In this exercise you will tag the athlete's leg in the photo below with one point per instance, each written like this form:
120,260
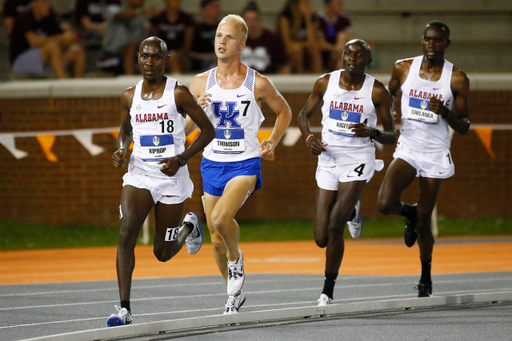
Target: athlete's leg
348,195
168,241
429,188
399,176
135,206
222,215
325,200
219,248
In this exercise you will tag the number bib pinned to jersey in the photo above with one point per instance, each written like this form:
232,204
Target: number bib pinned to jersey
229,141
340,121
157,147
418,110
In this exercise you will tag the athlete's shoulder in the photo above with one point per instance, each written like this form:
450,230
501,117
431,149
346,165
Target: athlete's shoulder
198,83
127,96
403,64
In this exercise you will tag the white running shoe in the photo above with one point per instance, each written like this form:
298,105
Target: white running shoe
234,303
355,226
236,275
324,300
194,240
120,319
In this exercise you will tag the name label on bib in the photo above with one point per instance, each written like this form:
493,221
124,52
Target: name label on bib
229,141
157,147
340,121
418,110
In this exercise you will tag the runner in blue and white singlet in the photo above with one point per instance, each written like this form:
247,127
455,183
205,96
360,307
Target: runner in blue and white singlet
432,97
232,95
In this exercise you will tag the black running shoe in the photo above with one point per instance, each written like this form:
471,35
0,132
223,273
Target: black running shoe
424,290
410,234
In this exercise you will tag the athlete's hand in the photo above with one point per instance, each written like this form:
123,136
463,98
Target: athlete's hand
361,130
118,158
317,146
170,167
437,107
267,152
204,100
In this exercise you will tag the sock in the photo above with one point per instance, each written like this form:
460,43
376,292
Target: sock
425,272
329,282
352,215
408,211
126,304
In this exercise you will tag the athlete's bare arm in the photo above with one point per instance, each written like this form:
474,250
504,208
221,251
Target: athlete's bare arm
124,138
187,104
266,91
458,117
382,101
312,105
398,77
197,87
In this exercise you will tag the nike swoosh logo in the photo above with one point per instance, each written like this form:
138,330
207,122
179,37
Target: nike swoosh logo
436,88
443,172
161,106
240,95
350,176
358,98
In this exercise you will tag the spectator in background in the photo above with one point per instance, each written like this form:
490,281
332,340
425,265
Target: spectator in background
202,57
297,27
38,44
11,9
176,28
335,31
125,31
91,15
263,51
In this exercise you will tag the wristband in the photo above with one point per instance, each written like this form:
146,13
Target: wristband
307,139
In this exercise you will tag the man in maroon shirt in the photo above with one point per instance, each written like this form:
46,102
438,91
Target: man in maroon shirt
38,42
202,57
176,28
11,9
264,50
91,17
335,31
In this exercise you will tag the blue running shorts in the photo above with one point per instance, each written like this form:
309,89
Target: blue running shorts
217,174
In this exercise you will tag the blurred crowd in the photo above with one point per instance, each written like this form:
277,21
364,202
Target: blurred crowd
304,40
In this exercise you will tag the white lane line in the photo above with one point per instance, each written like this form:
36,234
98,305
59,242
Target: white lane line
353,286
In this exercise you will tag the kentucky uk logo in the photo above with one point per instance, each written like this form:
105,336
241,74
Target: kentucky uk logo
226,116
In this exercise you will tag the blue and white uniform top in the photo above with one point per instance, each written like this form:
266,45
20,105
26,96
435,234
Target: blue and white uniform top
158,131
340,109
422,130
236,116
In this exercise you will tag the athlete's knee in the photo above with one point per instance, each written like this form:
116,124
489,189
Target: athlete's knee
221,221
163,254
321,241
384,205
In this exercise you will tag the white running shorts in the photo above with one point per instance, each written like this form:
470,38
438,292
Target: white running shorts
328,177
437,165
166,191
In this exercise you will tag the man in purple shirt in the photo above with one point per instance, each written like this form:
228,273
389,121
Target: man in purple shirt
38,43
335,31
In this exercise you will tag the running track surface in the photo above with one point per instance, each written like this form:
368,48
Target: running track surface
362,257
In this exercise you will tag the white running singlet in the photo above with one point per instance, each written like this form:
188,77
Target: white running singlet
158,132
422,130
340,109
236,116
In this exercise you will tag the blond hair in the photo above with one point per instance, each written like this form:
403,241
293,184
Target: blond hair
237,20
